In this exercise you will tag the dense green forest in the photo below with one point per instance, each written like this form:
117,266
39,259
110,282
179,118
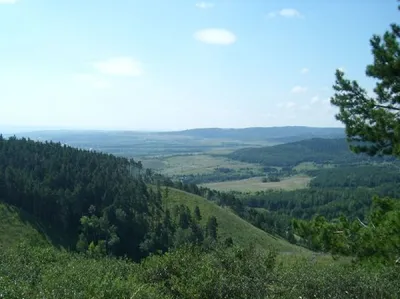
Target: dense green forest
317,150
100,202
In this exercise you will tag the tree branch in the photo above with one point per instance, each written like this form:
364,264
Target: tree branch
362,222
386,107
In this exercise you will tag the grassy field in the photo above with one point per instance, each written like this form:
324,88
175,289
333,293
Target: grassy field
255,184
311,166
231,225
193,164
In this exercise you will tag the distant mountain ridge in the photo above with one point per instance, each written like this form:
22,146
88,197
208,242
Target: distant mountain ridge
278,134
282,134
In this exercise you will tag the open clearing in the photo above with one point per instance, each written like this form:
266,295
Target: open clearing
194,164
255,184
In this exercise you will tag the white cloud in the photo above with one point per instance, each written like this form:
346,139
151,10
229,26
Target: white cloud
8,1
299,89
119,66
342,69
290,105
203,5
215,36
304,70
314,100
93,81
286,13
289,13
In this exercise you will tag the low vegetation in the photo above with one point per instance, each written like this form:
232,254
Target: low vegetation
256,184
42,271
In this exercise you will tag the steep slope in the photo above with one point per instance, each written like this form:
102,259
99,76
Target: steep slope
318,150
229,224
14,228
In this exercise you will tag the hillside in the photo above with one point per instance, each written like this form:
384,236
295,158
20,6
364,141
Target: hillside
231,225
14,228
317,150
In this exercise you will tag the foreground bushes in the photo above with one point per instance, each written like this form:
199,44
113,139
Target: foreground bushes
28,272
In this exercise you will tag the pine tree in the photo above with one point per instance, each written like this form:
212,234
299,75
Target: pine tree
212,227
372,123
197,214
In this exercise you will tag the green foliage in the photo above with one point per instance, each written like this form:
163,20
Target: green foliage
224,273
307,279
371,176
378,240
186,273
33,272
318,150
372,124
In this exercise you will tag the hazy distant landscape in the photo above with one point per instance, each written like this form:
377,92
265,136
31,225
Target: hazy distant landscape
141,144
197,155
240,160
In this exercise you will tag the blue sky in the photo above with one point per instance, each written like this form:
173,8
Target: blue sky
179,64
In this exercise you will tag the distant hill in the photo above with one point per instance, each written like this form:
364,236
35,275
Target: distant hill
318,150
278,134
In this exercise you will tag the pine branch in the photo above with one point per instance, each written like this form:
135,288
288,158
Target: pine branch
387,107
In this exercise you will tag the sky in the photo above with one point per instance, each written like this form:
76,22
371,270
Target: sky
181,64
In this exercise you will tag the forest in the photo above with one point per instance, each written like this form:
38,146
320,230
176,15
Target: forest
318,150
101,202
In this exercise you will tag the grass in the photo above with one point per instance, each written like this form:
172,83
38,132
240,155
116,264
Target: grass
14,229
255,184
231,225
194,164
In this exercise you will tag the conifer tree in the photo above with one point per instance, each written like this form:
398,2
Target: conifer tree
373,122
